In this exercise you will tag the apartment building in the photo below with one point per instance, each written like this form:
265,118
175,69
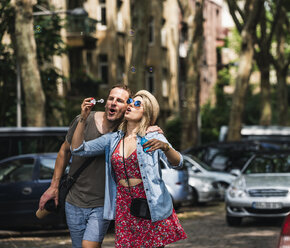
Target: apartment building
100,34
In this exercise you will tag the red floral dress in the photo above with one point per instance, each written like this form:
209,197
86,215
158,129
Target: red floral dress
136,232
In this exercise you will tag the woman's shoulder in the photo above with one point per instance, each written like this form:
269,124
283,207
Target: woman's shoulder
153,135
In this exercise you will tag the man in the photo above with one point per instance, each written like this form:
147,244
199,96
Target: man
85,201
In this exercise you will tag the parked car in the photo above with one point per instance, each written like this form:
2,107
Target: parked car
284,239
261,189
23,179
26,140
215,182
203,189
225,156
176,181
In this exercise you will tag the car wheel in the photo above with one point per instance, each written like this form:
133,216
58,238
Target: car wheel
233,221
194,200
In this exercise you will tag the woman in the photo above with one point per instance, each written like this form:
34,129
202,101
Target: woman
133,173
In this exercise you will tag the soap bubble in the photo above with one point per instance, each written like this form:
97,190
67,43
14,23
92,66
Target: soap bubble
131,32
37,29
133,69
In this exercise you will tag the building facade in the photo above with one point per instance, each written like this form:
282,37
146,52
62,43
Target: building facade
100,33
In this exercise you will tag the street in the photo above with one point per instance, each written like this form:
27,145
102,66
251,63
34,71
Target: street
205,226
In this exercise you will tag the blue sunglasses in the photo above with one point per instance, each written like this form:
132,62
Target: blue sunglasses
136,103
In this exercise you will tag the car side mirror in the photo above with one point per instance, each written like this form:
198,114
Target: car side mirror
236,172
195,170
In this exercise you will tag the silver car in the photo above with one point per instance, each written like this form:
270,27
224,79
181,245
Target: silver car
207,184
176,181
261,190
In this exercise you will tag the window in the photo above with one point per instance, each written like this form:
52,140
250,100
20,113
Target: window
103,68
20,170
150,81
120,22
89,61
46,168
103,12
120,68
163,37
164,83
151,31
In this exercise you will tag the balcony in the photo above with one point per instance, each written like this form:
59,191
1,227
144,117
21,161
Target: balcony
81,31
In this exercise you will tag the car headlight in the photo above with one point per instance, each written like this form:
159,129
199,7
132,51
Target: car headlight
236,192
238,188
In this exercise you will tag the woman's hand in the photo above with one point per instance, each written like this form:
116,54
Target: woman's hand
86,108
155,144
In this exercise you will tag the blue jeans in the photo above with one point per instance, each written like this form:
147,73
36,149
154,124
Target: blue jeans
85,224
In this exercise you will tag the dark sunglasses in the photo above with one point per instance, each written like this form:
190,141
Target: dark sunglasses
136,103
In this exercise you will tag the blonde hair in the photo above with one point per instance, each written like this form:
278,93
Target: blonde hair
150,112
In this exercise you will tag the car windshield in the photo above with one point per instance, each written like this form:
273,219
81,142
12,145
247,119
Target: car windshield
201,163
269,164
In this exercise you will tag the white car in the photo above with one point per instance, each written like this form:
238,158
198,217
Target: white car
203,178
261,190
176,181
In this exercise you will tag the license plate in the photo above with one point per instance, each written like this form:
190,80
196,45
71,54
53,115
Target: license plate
267,205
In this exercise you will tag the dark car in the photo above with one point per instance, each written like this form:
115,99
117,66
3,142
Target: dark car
226,156
23,179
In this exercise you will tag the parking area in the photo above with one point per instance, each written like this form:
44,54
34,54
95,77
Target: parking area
205,226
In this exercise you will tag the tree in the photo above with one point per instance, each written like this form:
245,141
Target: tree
281,62
248,23
49,43
140,12
190,109
25,47
7,68
263,57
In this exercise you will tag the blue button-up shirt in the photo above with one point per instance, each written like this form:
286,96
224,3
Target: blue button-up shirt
158,197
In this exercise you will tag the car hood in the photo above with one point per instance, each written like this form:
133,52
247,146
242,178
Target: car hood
266,180
227,177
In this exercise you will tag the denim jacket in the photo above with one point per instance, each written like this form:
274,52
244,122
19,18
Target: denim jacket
158,197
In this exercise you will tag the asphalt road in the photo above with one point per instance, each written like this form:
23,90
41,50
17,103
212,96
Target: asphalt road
204,225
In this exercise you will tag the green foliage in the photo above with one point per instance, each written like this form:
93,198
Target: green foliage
214,117
49,43
82,85
252,107
7,68
7,87
234,41
173,129
48,38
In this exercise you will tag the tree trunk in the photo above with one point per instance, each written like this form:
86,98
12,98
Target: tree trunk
190,109
283,115
266,111
245,65
238,100
263,61
26,55
281,64
140,32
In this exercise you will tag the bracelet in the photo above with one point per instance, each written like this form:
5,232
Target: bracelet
82,119
166,148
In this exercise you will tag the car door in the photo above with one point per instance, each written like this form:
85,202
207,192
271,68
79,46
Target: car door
18,193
